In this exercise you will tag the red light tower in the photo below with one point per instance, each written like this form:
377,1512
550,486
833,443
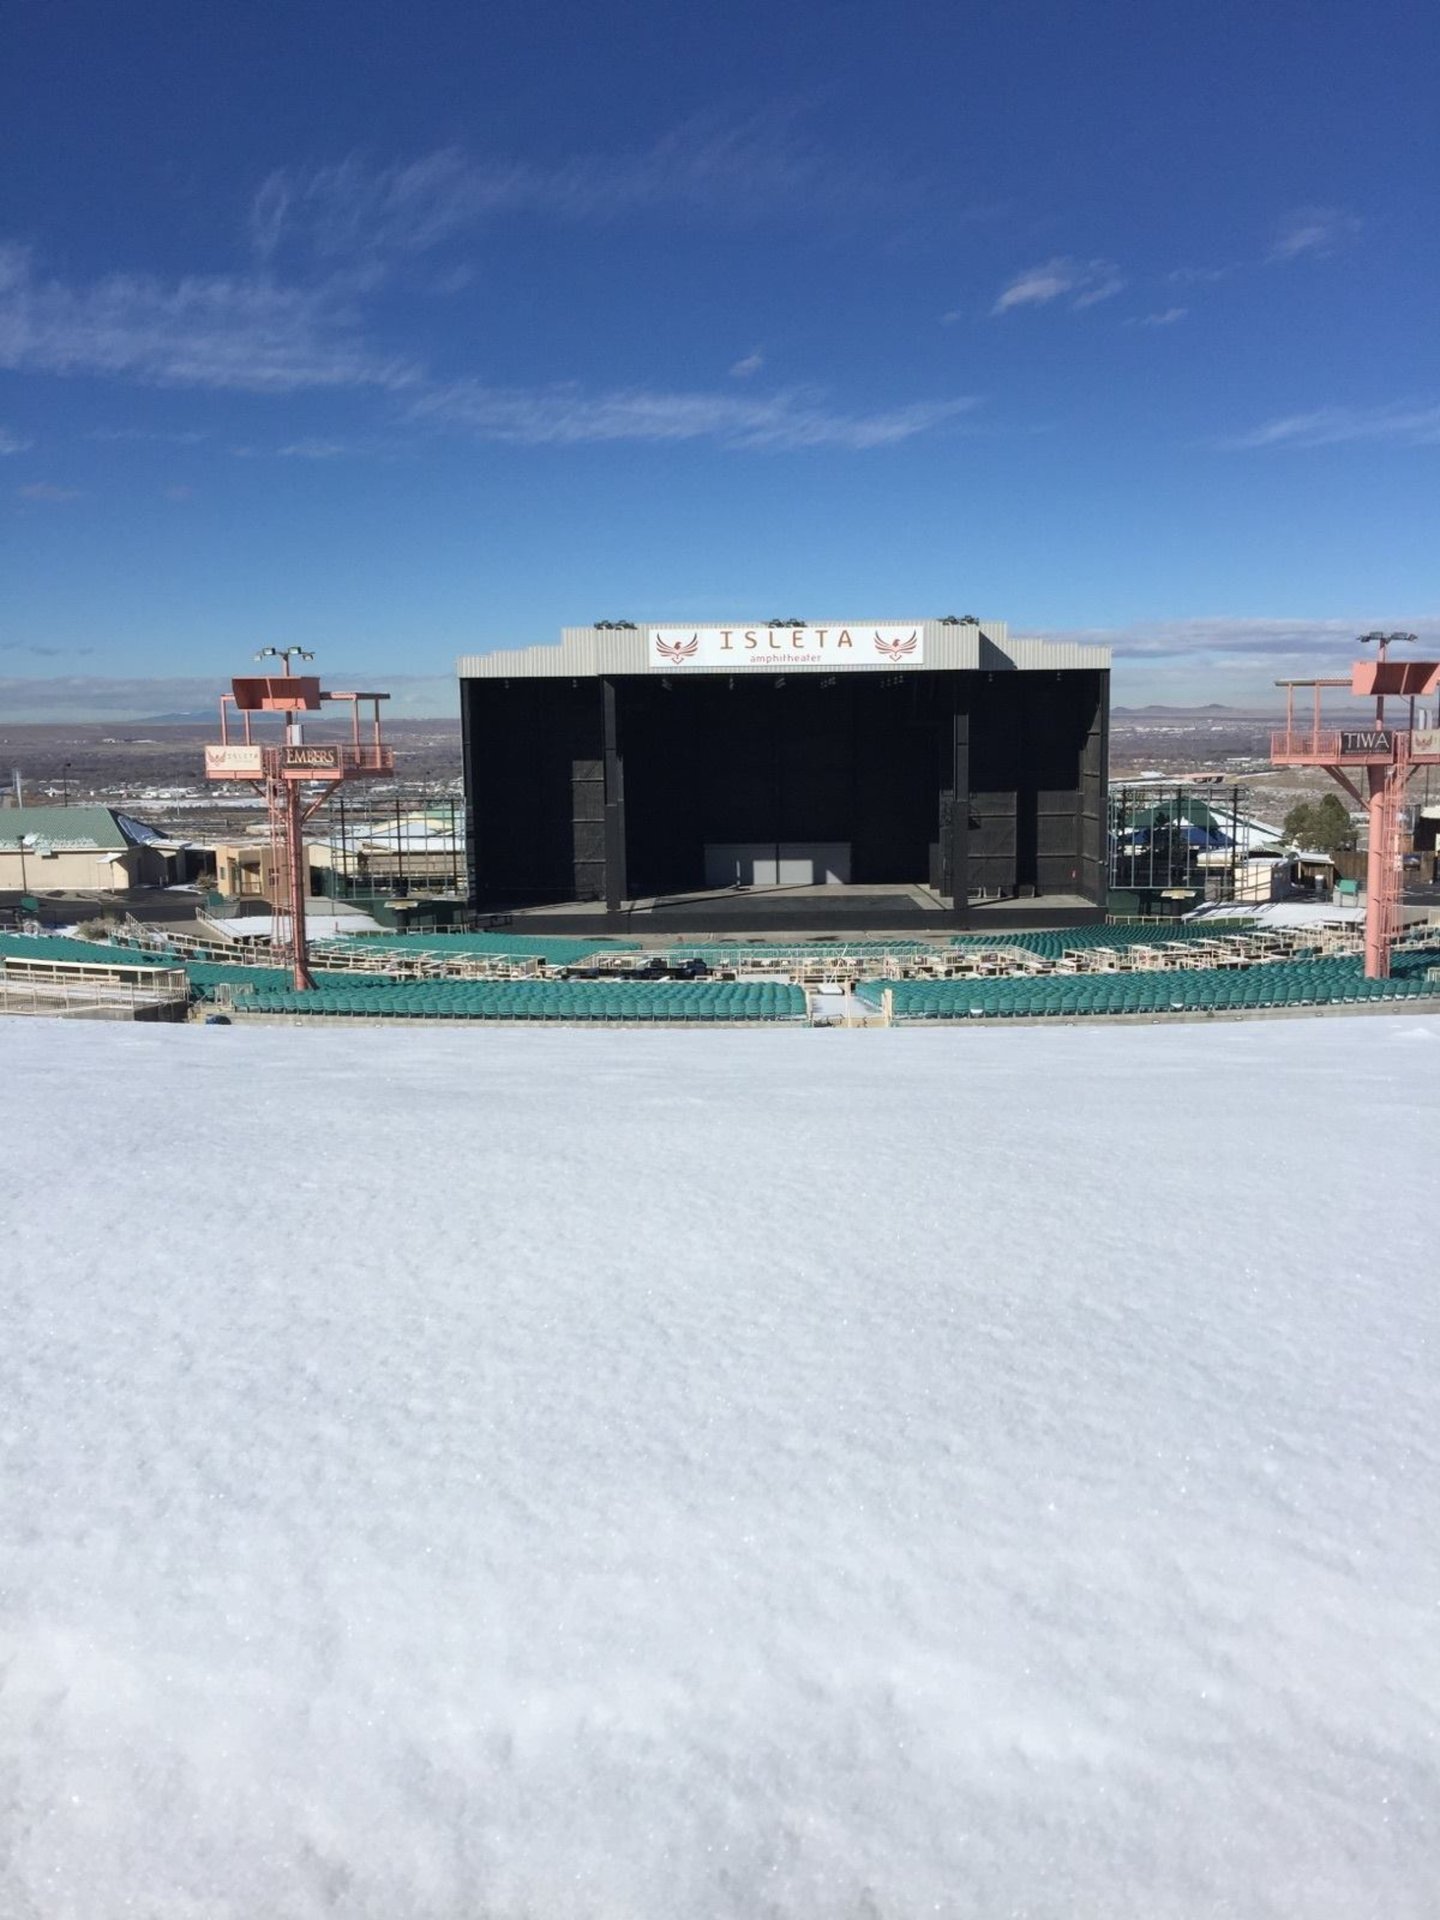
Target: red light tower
283,772
1387,754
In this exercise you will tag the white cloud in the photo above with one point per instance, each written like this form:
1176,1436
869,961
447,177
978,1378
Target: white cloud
12,442
313,450
1080,283
33,650
202,331
187,439
1402,423
1228,657
568,416
1228,638
760,167
74,697
1167,317
1313,232
749,366
48,492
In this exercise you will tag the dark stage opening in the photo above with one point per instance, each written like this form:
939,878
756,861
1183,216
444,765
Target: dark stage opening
966,787
789,763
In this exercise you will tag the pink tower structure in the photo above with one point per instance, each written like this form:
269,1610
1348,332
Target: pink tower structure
1383,755
296,779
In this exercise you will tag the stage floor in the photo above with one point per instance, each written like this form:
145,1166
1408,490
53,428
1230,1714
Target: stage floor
769,912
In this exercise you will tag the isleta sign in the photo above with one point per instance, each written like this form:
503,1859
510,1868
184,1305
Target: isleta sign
732,649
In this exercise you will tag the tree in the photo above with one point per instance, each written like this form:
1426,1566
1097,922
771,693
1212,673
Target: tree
1321,826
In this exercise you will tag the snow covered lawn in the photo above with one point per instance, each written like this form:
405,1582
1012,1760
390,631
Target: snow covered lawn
565,1474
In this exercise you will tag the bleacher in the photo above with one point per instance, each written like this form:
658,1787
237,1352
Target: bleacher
642,1001
60,946
1313,982
1106,970
555,949
1050,944
785,953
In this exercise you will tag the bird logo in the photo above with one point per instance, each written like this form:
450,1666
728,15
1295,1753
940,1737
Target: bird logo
677,651
897,649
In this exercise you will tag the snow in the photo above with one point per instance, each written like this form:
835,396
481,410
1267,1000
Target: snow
719,1474
1284,913
319,926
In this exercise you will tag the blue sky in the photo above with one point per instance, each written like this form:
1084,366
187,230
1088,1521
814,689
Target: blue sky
397,331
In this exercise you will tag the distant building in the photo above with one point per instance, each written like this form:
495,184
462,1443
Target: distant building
87,850
245,869
419,853
1175,835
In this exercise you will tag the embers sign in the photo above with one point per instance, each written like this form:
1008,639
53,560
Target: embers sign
734,649
311,759
1375,740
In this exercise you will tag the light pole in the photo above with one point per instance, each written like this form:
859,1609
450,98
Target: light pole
1385,791
287,841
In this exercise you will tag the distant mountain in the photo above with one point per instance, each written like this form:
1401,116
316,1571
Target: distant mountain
1214,710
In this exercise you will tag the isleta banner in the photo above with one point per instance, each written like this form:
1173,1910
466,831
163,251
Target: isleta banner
672,649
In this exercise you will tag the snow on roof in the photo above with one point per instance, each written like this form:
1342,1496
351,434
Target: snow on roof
719,1473
138,830
319,926
70,829
1284,913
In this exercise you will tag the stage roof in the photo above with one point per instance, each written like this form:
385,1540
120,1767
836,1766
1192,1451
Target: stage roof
593,651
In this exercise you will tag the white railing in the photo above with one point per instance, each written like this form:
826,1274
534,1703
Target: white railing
70,990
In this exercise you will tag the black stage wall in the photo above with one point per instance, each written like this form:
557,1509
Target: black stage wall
609,788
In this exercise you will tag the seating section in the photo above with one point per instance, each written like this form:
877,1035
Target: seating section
1282,983
60,946
206,975
555,950
801,953
1051,943
1304,979
353,996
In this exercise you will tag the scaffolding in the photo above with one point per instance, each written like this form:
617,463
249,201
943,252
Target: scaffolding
296,780
1373,764
381,846
1177,836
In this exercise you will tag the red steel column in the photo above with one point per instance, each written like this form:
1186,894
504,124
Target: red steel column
297,878
1383,879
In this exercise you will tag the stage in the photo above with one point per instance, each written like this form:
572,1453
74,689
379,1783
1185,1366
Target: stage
849,780
859,912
